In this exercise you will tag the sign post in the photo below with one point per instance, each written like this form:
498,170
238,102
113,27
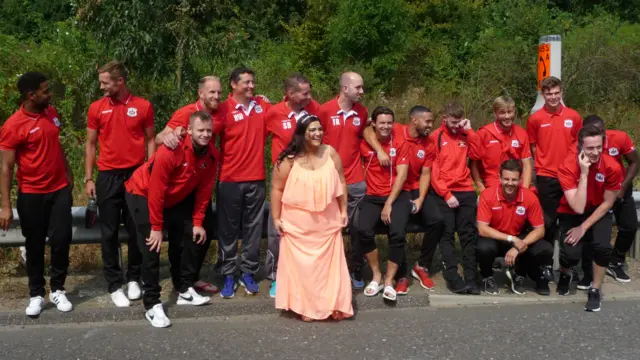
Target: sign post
549,62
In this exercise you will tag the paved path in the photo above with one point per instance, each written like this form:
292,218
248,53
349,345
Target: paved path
549,331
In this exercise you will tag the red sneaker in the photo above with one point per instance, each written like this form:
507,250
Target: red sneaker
402,286
422,275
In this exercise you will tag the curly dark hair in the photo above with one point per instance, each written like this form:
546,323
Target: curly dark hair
296,146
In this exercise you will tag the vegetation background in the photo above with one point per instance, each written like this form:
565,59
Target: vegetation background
408,51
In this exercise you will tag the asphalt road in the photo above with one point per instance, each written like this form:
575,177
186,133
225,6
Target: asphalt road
550,331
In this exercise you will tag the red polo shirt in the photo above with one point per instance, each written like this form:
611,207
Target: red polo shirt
618,144
500,145
35,138
120,127
242,139
506,216
554,135
171,175
380,179
421,153
450,171
606,174
343,130
182,115
281,124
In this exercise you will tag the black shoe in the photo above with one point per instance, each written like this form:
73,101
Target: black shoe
616,271
564,284
472,288
546,272
593,301
586,282
542,287
517,281
490,286
457,285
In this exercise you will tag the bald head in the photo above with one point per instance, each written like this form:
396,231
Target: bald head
210,92
351,86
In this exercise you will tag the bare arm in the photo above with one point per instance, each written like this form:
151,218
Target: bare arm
533,151
278,181
536,234
577,198
149,136
90,153
487,231
370,137
527,172
601,210
632,170
68,170
402,171
338,164
8,162
425,180
161,135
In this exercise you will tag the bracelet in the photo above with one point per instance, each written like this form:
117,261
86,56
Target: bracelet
87,180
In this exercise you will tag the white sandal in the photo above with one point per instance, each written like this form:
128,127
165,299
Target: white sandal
392,293
373,289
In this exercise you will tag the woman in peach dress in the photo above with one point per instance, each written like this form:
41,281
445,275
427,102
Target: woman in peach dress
309,210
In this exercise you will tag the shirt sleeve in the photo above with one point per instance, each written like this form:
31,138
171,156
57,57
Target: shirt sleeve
163,166
532,130
402,154
364,121
475,145
10,136
205,189
429,153
484,209
534,213
179,118
93,119
627,145
525,148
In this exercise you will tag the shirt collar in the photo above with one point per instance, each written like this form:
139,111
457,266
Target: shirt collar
557,112
125,102
500,130
518,199
31,115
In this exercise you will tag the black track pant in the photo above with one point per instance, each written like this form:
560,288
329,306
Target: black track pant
538,254
597,239
42,216
113,210
549,193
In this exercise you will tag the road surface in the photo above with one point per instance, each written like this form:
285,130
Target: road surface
550,331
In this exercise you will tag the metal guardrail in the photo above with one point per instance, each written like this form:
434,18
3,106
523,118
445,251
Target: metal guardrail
81,235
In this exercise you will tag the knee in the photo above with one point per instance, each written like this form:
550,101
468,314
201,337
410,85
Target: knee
486,247
570,256
602,254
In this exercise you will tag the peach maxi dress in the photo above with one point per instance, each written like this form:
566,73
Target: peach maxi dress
313,279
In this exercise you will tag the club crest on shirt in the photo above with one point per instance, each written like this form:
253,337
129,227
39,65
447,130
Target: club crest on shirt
131,112
520,210
420,154
238,117
613,152
462,143
568,123
392,152
356,121
56,122
515,143
600,177
258,109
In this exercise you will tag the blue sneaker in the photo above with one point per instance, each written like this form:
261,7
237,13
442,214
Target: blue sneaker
272,291
229,288
250,286
356,281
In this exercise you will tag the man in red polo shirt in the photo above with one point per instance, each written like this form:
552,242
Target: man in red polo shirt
591,183
455,143
553,132
510,223
123,125
241,192
209,95
281,123
343,120
502,140
384,202
618,145
158,198
421,155
31,138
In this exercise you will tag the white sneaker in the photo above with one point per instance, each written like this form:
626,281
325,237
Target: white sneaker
60,299
36,304
119,299
191,297
133,290
157,317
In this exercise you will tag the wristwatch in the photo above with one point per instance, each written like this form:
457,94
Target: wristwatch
510,238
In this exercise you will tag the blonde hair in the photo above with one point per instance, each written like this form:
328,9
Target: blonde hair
503,102
116,69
